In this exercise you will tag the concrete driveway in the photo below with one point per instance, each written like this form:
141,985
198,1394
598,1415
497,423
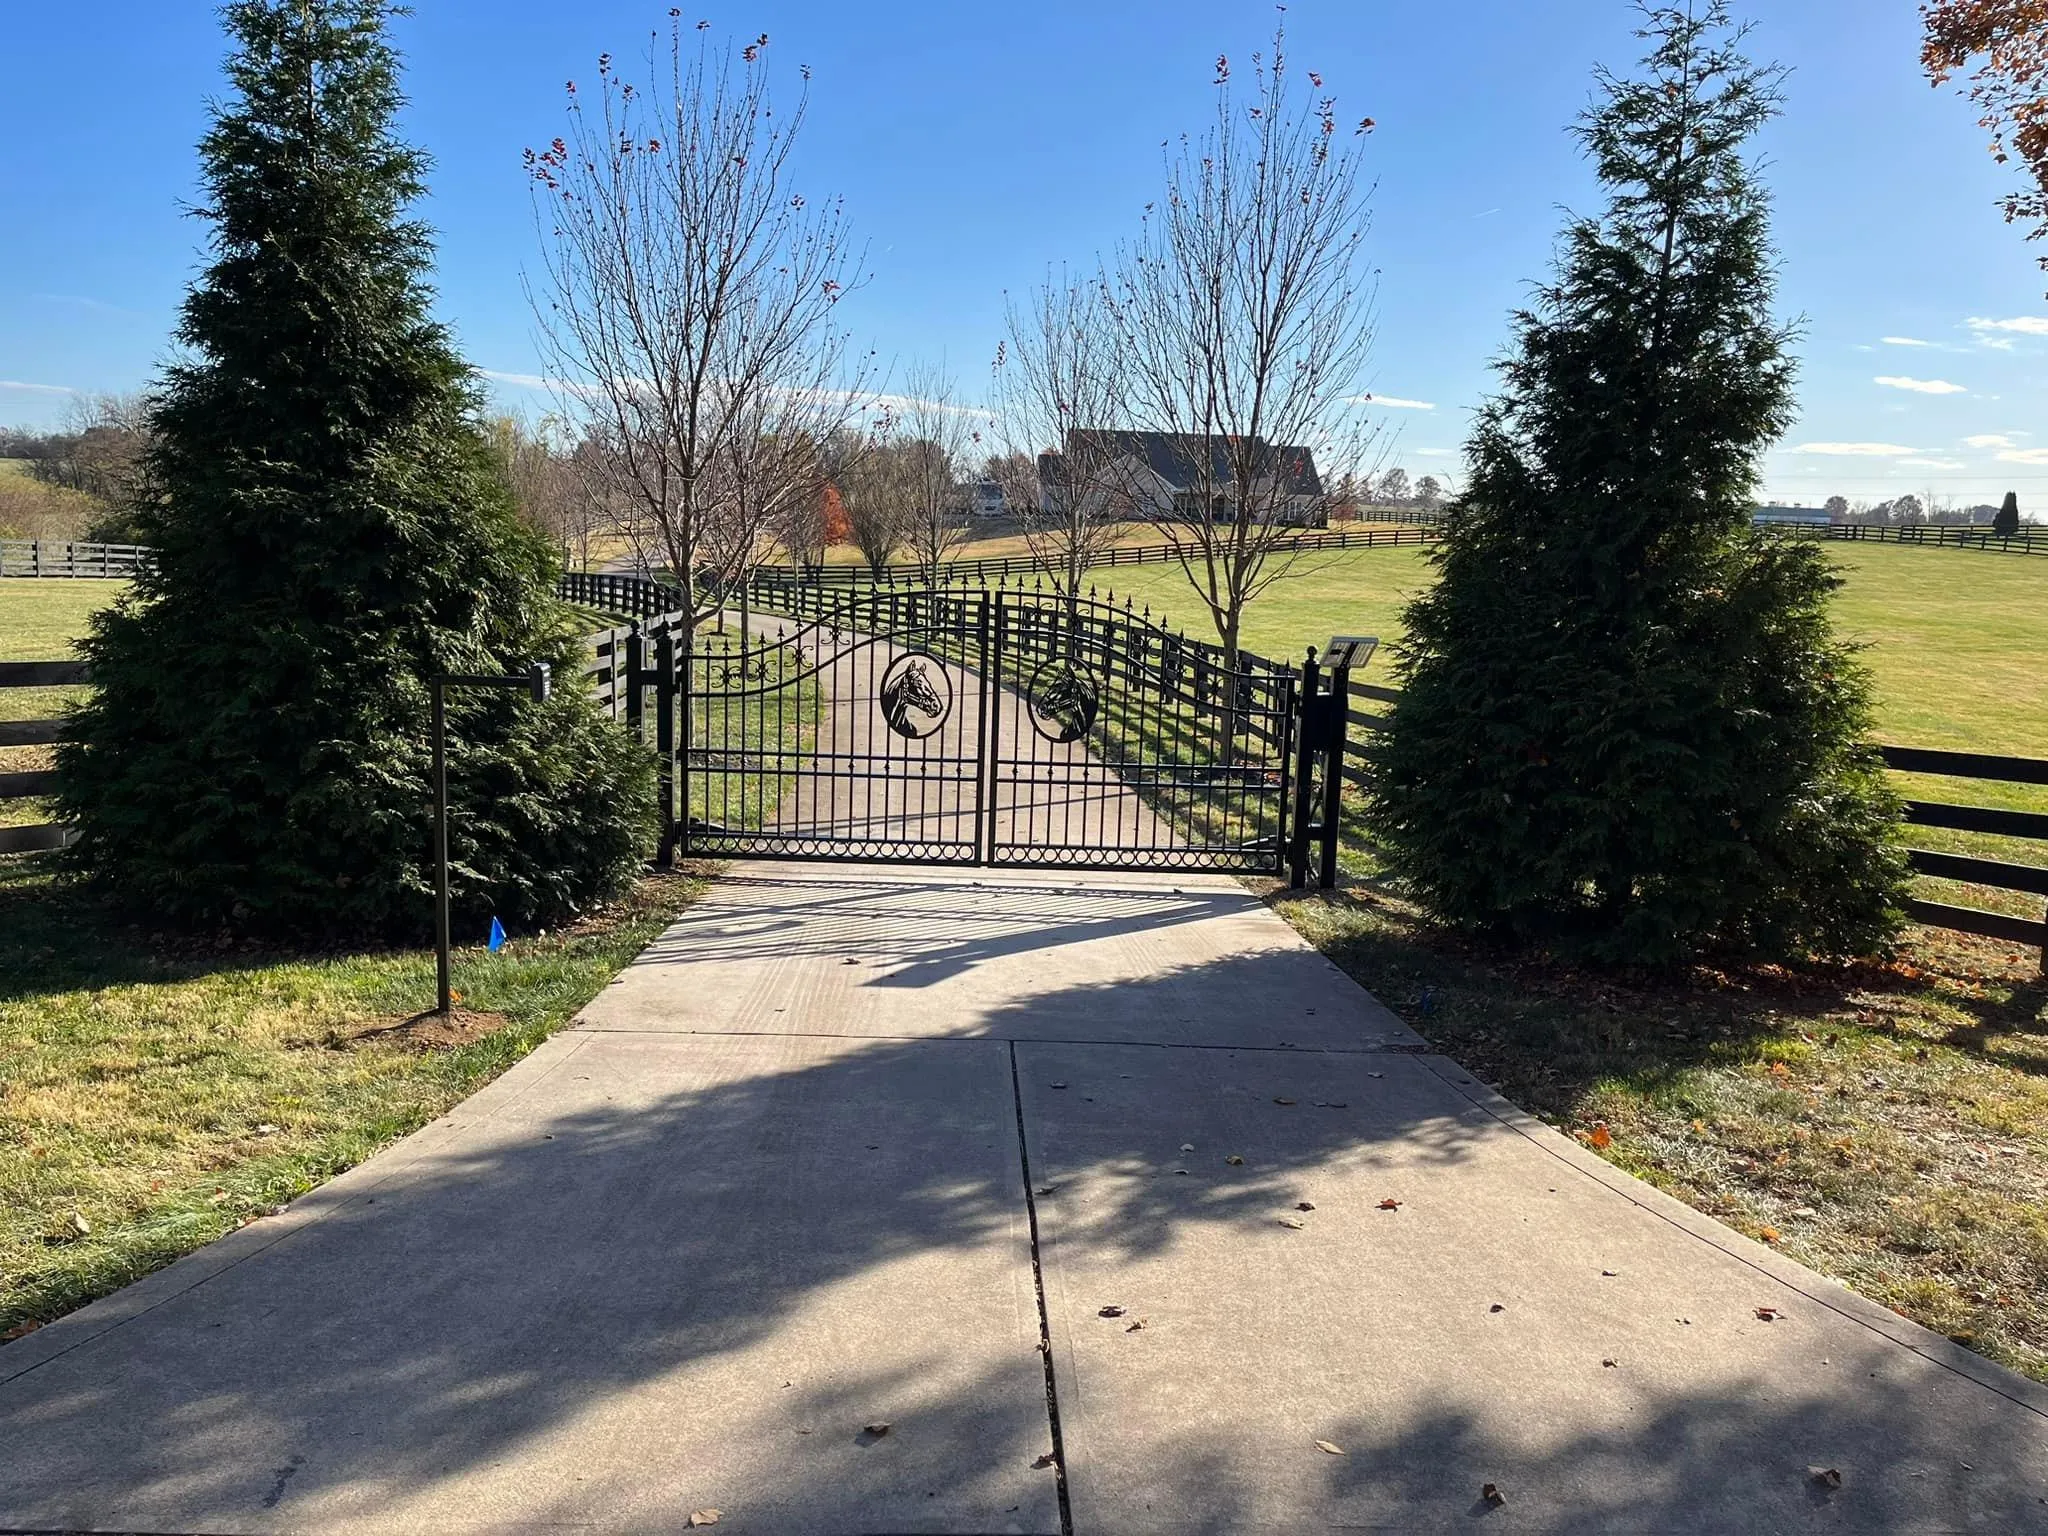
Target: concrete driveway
899,1201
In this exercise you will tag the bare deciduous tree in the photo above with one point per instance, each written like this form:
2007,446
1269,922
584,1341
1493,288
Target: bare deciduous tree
689,290
1242,315
871,481
1057,383
935,434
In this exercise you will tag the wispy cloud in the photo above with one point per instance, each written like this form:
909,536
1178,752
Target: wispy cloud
1989,440
1857,450
868,399
2024,456
2025,325
80,301
1919,386
1904,341
1391,402
1932,464
37,389
1434,453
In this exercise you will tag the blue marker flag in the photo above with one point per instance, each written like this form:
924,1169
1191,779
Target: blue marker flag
497,939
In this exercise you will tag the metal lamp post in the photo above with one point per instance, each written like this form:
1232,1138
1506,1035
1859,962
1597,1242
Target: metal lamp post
535,681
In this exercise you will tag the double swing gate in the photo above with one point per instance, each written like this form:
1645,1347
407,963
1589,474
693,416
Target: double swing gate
992,727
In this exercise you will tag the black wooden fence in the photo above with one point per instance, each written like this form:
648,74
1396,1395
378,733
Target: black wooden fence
57,557
1368,700
29,784
2032,539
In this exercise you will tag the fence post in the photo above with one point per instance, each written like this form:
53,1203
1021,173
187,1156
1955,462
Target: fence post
665,737
1333,771
626,678
1304,773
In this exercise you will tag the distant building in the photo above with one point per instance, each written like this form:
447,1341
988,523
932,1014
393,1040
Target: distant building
1168,475
1794,517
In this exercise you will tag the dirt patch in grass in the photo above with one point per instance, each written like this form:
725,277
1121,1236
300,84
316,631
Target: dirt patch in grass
1884,1123
429,1031
155,1095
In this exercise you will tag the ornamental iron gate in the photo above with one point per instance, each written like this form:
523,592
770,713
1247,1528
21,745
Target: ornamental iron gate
982,727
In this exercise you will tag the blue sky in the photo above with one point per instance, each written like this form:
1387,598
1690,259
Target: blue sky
976,144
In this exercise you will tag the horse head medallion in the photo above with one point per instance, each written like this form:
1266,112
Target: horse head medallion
912,704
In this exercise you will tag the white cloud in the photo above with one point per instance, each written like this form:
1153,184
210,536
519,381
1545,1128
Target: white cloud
523,380
1919,386
1392,402
1434,453
1904,341
1932,464
37,389
2025,325
2024,456
1989,440
1856,450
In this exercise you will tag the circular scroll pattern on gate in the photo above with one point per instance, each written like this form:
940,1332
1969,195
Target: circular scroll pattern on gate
1063,700
916,696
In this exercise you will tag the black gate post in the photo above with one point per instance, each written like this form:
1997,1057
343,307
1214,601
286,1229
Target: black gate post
665,737
1304,776
1333,782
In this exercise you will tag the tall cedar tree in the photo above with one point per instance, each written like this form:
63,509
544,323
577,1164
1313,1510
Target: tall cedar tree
1626,730
331,528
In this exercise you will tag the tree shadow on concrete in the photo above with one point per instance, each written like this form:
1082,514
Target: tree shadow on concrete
647,1275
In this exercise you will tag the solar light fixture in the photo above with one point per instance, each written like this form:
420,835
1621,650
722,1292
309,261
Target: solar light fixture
537,680
1349,650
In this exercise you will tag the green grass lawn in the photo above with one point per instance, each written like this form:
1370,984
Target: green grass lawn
155,1095
1955,637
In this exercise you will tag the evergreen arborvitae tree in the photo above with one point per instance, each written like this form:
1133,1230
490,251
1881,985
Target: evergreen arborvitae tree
331,528
1626,730
2007,522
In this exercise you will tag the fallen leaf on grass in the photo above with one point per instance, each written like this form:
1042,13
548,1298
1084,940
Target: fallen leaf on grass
1111,1311
1491,1493
1329,1449
1827,1477
1293,1221
1768,1234
19,1331
1601,1137
1390,1204
710,1516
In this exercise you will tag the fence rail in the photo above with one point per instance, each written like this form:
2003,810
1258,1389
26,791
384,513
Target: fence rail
29,784
1999,874
2032,539
55,557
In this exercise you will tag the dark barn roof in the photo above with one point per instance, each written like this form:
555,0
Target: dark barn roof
1177,457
